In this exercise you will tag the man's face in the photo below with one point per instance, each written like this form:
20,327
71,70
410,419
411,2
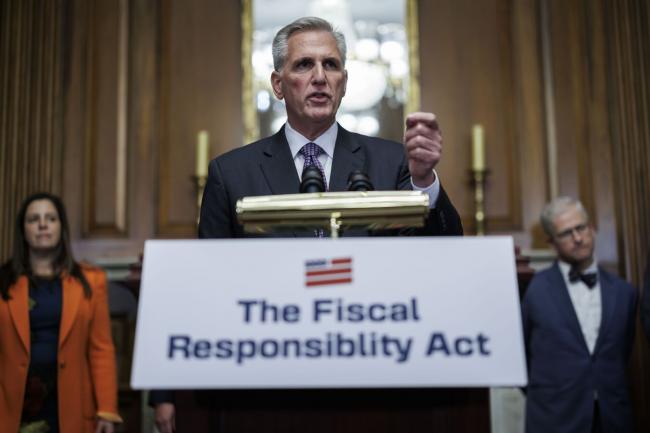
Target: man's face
312,81
573,237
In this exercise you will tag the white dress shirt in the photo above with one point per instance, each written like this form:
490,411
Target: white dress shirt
327,141
587,303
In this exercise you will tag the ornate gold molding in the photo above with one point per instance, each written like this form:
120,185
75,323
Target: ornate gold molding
413,38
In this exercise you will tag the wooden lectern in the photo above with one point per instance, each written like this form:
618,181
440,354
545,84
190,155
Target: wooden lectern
414,410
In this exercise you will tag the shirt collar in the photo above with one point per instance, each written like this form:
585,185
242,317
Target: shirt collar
326,140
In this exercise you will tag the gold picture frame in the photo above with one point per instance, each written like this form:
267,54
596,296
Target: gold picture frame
249,114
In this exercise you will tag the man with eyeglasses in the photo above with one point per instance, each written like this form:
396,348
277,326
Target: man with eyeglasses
578,328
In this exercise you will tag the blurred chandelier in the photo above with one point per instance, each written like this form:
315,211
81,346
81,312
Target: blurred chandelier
377,67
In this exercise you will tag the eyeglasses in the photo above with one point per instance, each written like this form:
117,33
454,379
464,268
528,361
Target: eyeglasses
566,234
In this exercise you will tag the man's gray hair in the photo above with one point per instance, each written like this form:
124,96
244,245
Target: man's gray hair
557,207
281,40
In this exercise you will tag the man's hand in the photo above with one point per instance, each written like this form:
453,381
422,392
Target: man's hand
423,146
104,426
165,417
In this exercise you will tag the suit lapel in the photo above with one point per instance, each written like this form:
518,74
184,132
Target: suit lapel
348,156
560,294
72,294
278,166
19,310
608,300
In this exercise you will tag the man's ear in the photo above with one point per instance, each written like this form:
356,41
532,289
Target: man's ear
276,84
550,240
345,81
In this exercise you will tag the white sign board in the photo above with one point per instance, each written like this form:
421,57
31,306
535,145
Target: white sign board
321,313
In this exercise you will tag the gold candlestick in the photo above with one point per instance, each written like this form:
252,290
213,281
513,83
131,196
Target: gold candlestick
199,182
479,174
201,170
478,177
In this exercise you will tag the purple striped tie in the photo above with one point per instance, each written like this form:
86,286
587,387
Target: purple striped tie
311,151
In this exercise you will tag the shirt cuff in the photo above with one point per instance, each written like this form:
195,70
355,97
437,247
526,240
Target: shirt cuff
433,190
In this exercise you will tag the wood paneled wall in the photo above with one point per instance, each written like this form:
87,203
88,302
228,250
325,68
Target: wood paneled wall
580,117
199,89
30,106
628,50
98,166
480,63
599,53
145,77
572,83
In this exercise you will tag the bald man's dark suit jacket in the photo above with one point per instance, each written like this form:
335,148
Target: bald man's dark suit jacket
563,376
266,167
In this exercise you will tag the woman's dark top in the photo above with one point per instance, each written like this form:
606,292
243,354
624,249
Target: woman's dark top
40,406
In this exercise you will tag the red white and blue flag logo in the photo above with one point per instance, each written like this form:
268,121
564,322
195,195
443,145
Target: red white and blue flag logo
321,272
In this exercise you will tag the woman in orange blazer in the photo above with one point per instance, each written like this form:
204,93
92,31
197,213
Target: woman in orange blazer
57,361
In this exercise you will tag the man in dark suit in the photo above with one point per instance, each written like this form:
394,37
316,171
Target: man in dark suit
310,76
267,167
578,328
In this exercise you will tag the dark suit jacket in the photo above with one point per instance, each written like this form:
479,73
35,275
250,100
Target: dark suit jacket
266,167
562,375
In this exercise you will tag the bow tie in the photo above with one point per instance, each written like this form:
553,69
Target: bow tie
589,279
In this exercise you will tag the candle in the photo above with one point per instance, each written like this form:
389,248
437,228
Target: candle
478,148
201,169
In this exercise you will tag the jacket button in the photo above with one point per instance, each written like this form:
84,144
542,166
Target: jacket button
62,364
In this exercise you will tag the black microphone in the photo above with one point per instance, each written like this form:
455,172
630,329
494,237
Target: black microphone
359,181
312,180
